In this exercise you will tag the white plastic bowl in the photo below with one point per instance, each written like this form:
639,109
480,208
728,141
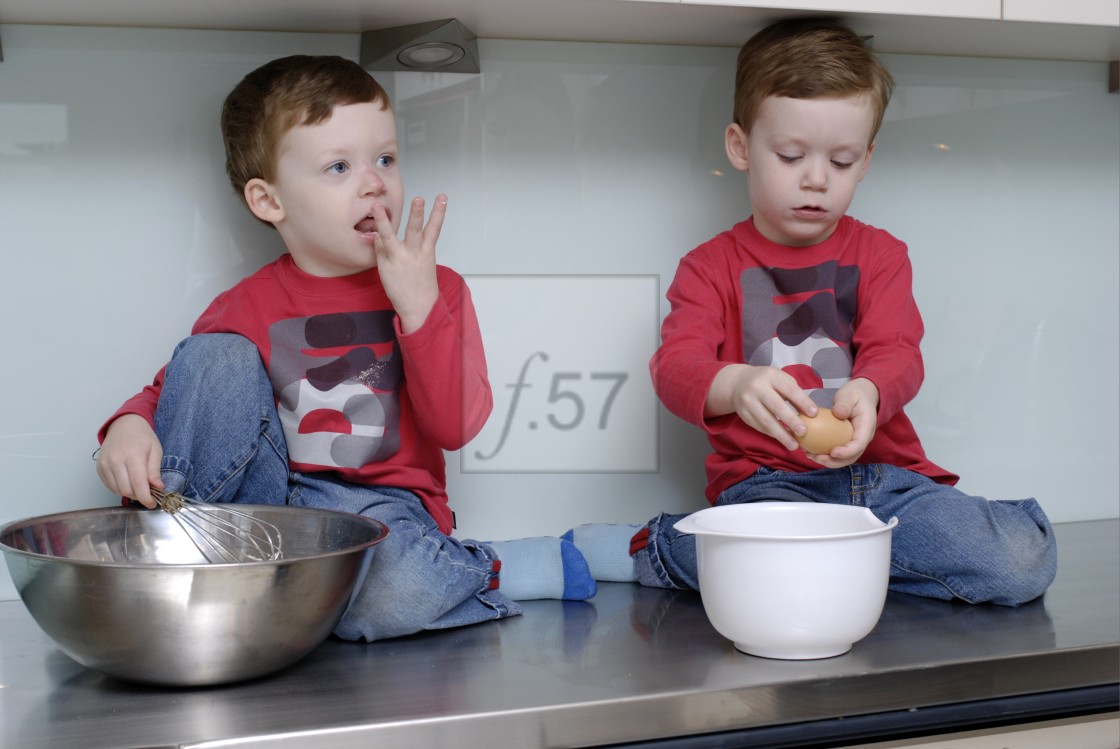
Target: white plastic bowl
792,580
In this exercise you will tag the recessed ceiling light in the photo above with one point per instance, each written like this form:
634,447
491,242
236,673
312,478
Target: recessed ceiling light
446,46
430,55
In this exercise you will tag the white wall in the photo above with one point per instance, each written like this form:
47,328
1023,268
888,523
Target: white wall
578,174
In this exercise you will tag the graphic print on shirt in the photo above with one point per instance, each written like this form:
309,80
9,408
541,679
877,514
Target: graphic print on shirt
339,378
800,321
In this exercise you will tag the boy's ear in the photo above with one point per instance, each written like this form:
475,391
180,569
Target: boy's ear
735,141
262,201
866,161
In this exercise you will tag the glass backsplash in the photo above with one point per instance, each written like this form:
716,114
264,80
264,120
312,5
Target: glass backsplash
578,174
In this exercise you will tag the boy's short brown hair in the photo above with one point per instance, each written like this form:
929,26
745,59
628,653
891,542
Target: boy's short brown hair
274,98
808,58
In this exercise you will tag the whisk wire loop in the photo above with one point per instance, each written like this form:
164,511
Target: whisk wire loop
220,533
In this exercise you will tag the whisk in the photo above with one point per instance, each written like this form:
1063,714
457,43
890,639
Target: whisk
222,534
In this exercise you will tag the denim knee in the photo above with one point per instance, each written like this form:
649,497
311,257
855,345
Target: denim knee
951,545
1023,566
217,422
219,352
417,585
419,579
668,559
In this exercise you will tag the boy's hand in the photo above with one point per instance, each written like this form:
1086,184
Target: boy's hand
766,398
129,458
408,268
858,401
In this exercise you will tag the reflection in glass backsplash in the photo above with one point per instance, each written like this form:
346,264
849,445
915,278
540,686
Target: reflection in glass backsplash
564,159
30,129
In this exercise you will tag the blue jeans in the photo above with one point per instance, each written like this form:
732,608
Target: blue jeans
946,545
222,442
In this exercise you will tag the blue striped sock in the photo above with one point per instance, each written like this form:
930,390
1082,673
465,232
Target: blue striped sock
606,547
543,567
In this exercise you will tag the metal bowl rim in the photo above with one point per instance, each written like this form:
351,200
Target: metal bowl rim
381,528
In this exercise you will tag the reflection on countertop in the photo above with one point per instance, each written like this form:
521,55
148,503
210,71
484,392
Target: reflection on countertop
631,664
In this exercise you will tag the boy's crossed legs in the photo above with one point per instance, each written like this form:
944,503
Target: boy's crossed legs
947,544
223,442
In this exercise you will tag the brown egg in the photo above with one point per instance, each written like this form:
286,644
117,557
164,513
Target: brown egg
824,432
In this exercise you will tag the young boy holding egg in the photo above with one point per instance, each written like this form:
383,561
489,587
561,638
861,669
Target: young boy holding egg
793,342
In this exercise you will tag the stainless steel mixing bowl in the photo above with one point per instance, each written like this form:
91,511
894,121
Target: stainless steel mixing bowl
126,592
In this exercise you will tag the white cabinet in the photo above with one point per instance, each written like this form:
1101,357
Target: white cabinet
1093,12
1083,30
989,9
1090,12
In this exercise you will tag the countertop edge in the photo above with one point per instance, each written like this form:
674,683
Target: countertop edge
690,712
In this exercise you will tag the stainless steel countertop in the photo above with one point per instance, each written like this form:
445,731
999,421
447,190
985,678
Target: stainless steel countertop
631,664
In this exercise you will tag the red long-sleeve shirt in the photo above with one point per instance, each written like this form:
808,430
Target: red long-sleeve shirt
827,313
357,397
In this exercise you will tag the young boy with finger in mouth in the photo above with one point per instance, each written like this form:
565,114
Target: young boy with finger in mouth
337,376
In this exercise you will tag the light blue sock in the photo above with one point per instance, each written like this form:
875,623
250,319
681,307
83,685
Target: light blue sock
543,567
606,547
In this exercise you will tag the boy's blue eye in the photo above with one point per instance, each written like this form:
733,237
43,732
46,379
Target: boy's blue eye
386,160
338,167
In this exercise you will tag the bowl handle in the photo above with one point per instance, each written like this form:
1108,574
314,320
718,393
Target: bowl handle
688,525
